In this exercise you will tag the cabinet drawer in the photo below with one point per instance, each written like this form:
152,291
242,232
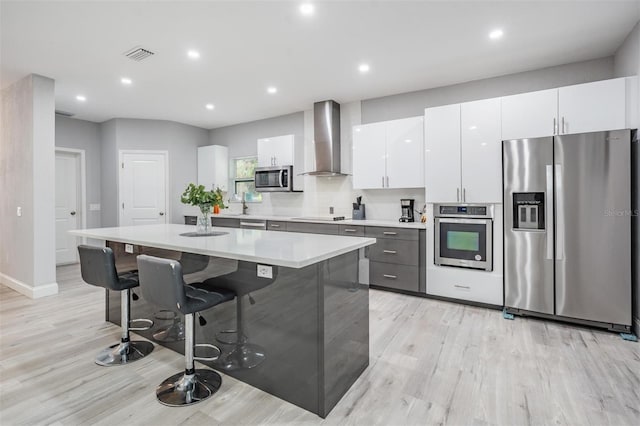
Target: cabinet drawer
225,222
402,252
191,220
352,230
313,228
275,225
400,277
396,233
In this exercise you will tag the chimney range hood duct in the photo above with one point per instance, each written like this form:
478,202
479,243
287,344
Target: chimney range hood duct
326,135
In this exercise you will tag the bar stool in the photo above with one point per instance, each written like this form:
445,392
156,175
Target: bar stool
242,282
162,284
98,268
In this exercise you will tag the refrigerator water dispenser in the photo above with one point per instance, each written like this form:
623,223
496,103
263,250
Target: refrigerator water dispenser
528,211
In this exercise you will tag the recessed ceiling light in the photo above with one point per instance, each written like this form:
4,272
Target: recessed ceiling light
272,90
307,9
193,54
496,34
126,81
364,68
209,106
81,98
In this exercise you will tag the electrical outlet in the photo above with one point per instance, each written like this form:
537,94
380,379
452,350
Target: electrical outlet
19,211
94,207
265,271
128,248
330,210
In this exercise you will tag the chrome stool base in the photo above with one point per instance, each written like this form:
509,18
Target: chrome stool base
123,353
170,333
186,389
242,357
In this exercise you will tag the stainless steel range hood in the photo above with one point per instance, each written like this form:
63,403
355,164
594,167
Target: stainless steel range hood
326,132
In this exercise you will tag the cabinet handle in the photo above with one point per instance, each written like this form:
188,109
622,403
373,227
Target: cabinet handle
391,277
464,195
389,233
349,230
389,251
383,181
466,287
555,129
274,226
387,181
562,125
458,194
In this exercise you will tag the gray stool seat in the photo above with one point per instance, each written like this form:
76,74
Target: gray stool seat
98,268
242,282
162,284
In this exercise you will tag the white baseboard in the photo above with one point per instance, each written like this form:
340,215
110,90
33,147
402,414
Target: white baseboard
31,292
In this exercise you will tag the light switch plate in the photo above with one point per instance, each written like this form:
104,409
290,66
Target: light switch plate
265,271
19,211
128,248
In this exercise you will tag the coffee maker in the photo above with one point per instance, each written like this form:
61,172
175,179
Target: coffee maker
406,204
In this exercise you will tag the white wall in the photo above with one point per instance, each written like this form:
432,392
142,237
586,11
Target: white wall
85,135
27,164
180,140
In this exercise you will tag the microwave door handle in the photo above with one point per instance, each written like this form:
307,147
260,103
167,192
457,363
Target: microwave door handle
281,179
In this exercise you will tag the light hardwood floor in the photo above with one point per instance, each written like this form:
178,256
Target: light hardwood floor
432,362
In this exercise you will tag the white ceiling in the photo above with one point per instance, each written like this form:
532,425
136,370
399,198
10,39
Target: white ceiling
246,46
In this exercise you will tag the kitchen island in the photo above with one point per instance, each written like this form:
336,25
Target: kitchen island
310,324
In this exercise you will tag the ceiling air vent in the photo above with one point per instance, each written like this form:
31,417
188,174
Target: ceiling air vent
64,113
138,54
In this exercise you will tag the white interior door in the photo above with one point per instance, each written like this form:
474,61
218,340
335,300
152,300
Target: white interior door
67,211
143,188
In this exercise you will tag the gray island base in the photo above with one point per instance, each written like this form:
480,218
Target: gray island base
309,326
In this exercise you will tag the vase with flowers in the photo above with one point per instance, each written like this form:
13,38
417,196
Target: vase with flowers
197,195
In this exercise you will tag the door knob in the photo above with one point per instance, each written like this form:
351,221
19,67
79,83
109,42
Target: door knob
72,213
161,213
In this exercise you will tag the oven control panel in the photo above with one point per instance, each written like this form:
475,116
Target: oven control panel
464,210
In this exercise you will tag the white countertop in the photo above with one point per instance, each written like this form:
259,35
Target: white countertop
366,222
288,249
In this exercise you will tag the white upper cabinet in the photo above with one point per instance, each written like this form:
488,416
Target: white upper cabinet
405,168
481,152
276,151
592,107
589,107
389,154
530,115
213,166
369,156
442,154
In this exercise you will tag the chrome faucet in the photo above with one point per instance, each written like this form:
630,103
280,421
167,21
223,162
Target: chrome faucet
244,204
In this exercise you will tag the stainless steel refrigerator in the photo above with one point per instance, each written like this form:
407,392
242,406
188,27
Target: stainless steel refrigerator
567,227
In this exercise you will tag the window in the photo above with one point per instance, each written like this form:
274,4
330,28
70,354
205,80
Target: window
243,179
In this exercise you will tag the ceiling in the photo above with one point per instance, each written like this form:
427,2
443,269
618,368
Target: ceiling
246,46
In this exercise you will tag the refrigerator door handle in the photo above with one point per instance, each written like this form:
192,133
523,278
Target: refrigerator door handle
549,212
560,213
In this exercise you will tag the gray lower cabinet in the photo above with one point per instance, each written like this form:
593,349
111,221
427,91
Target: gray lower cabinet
400,277
313,228
276,225
225,222
395,258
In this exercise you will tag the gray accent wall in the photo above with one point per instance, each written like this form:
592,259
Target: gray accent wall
412,104
27,165
179,140
84,135
242,138
627,63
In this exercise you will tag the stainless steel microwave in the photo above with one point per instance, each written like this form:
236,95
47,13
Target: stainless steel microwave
274,179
